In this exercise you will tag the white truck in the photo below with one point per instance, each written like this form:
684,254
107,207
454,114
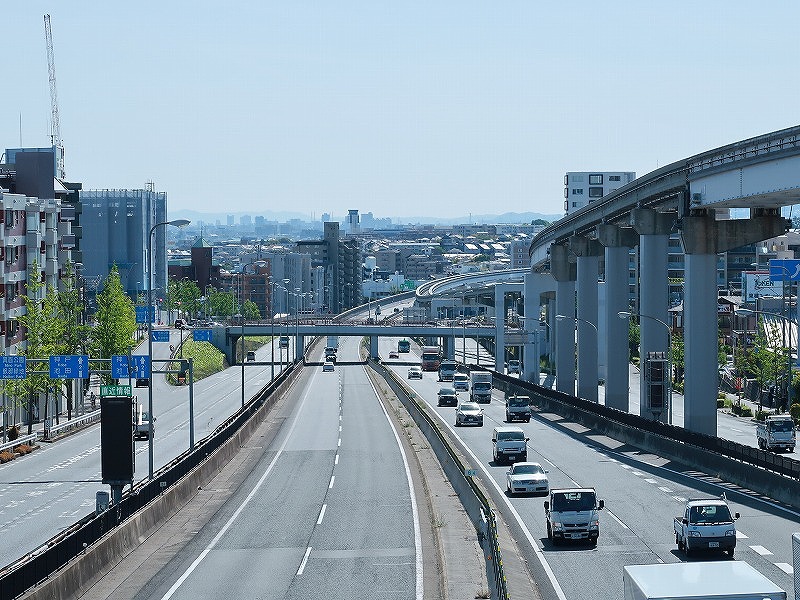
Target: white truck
447,370
142,424
726,580
776,433
480,386
518,408
706,524
573,514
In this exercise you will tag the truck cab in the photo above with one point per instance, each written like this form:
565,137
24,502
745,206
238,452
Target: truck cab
447,370
573,514
518,408
706,524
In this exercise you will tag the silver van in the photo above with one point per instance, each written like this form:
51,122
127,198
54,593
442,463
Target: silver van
509,445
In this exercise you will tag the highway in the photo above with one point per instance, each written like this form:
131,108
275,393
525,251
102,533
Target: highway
55,486
642,494
329,512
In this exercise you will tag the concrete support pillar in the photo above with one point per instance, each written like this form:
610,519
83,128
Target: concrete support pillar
653,229
299,347
702,238
534,284
564,273
373,347
448,350
500,332
588,271
617,242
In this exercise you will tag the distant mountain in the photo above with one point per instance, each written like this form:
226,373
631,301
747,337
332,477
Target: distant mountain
283,217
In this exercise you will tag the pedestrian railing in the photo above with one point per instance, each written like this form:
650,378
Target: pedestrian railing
19,441
54,430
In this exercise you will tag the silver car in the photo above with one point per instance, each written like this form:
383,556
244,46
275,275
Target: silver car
469,413
527,478
414,373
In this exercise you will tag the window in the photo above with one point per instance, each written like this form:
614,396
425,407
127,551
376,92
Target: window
577,179
9,217
577,191
595,192
614,178
595,180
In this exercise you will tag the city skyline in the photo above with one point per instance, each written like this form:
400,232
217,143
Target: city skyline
400,111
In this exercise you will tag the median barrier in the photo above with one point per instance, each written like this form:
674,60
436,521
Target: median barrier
50,433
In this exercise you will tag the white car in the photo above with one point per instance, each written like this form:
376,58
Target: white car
527,478
415,373
469,413
328,367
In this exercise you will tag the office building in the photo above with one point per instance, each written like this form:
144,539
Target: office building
583,187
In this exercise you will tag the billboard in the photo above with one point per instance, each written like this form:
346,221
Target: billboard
758,283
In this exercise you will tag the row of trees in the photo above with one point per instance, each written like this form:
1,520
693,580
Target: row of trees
185,296
55,323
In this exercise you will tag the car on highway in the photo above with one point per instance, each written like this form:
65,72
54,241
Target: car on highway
179,323
469,413
328,367
513,366
447,396
527,478
415,372
461,382
393,354
251,355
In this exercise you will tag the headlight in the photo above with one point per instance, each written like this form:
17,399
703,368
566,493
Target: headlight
730,532
694,534
594,524
557,525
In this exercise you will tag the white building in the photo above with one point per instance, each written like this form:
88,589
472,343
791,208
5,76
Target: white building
583,187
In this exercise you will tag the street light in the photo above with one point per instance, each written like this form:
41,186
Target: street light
623,314
174,223
786,322
272,285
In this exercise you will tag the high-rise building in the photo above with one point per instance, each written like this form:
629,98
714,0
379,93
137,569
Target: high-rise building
115,227
583,187
341,260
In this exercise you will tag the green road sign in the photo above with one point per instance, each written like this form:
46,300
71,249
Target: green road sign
115,390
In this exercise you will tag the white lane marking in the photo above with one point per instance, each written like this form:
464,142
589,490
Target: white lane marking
637,473
613,516
761,550
680,498
627,467
740,535
171,591
340,429
336,460
651,481
414,512
785,567
339,443
330,485
322,514
665,489
304,561
490,480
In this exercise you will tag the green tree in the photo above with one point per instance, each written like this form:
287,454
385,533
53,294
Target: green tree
40,323
677,357
73,336
251,312
116,318
633,338
540,222
221,303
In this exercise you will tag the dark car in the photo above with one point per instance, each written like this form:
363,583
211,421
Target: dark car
447,397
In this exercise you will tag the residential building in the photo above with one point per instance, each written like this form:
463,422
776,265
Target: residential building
583,187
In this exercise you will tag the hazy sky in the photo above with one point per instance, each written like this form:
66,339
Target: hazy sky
401,108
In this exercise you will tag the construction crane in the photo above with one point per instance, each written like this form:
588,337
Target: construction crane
55,135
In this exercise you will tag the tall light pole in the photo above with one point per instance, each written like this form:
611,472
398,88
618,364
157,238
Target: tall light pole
582,374
174,223
272,324
624,314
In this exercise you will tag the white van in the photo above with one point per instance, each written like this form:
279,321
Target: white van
509,444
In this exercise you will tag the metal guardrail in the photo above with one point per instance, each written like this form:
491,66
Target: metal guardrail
475,503
35,567
19,441
54,430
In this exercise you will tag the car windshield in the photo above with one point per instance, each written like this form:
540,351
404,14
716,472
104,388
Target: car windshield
469,407
527,470
710,514
574,501
781,426
521,401
510,436
145,415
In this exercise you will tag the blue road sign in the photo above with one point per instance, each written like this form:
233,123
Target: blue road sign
141,314
201,335
784,269
161,335
139,366
12,367
69,367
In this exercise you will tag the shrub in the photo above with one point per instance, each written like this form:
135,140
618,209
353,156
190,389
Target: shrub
23,449
761,415
720,402
13,433
794,410
746,411
6,456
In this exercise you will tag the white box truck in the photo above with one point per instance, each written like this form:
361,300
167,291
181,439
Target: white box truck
725,580
480,386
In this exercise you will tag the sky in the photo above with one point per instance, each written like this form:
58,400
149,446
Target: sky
440,109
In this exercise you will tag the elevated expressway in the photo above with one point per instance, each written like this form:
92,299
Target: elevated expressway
761,174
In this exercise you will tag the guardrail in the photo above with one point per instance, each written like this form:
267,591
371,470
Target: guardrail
57,552
475,503
19,441
54,430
